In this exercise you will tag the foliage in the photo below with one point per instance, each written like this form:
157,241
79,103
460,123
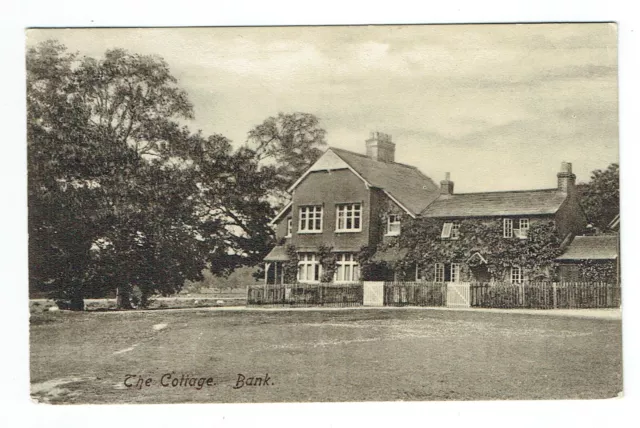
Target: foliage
291,143
120,195
600,197
598,271
329,262
536,254
291,266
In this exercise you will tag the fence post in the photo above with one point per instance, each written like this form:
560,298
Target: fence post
555,296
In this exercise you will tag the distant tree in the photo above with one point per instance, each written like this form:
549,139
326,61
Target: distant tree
120,195
600,197
290,142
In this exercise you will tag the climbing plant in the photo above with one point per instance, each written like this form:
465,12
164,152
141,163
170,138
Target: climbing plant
424,246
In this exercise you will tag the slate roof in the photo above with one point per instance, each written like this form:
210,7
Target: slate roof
488,204
414,190
600,247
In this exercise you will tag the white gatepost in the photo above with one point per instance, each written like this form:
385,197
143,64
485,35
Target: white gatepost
373,293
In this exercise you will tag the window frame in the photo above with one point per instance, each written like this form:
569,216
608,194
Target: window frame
312,213
346,262
306,261
289,226
349,214
454,267
397,222
507,221
446,230
519,276
439,270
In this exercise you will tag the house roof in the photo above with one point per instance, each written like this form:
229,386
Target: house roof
405,184
390,254
487,204
599,247
278,254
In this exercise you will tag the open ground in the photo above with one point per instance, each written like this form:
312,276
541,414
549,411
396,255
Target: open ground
335,355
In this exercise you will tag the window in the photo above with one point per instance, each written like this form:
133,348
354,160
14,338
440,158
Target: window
348,269
446,230
523,229
310,219
348,218
455,230
519,230
507,228
516,275
289,227
309,269
455,272
393,224
439,273
450,230
447,272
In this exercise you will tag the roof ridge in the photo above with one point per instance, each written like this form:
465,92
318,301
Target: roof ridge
367,157
506,191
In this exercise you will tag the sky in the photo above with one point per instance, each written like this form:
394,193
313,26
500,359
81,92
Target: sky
497,106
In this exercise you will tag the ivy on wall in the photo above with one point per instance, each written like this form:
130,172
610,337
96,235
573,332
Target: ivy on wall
421,238
598,271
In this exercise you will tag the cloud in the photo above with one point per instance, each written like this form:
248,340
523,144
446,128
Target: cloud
469,98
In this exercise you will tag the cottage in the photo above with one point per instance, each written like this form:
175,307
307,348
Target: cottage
348,201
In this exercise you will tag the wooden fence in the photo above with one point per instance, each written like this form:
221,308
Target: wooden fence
330,294
546,295
415,294
536,295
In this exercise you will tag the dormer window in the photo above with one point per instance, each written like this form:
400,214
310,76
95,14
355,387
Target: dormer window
393,225
450,230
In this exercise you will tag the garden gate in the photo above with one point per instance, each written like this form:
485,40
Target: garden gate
458,295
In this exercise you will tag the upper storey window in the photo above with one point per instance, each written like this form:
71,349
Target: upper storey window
393,225
310,219
349,217
450,230
289,227
518,228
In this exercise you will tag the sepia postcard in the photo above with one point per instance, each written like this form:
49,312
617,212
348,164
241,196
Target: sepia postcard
324,213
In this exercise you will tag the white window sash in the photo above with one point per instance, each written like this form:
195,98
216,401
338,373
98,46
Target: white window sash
349,217
507,228
446,230
439,272
455,272
310,220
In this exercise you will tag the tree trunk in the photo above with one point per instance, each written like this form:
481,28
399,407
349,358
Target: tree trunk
123,298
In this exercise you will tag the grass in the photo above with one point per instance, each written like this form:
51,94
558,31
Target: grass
346,355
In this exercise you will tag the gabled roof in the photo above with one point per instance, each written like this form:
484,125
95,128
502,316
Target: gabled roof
488,204
404,184
599,247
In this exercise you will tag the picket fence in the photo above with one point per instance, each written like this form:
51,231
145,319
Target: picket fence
329,294
534,295
546,295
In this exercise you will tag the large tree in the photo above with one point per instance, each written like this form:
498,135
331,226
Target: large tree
600,197
290,142
122,196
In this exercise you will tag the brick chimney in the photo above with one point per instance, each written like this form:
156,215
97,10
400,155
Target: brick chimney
566,179
380,147
446,185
